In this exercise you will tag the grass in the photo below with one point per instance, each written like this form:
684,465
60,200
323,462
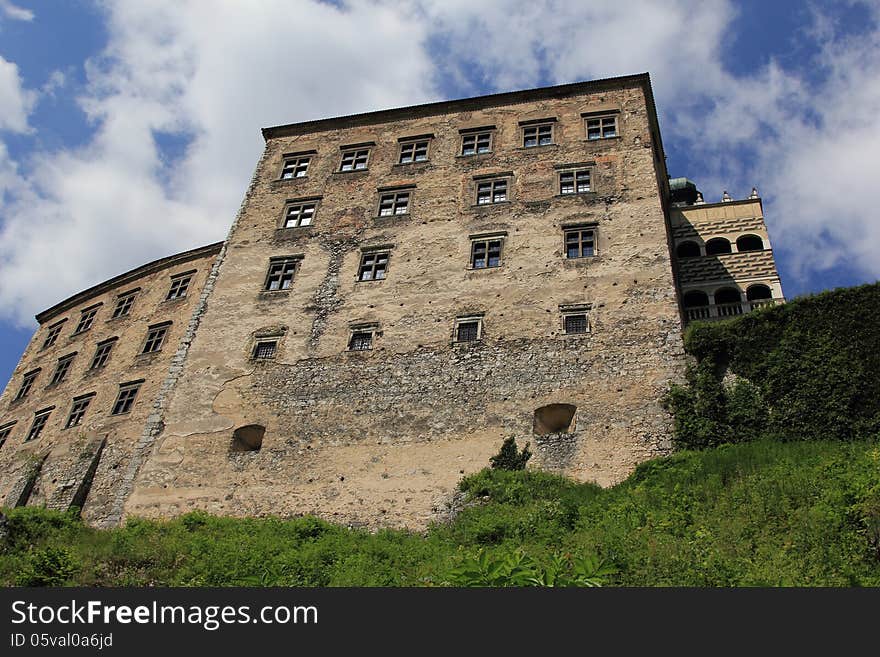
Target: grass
751,514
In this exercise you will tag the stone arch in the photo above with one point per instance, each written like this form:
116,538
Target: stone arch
749,243
554,418
718,245
248,438
727,295
688,250
758,292
695,299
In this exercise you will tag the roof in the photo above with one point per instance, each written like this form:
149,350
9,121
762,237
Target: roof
128,277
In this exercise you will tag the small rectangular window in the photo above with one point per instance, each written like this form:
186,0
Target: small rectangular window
537,135
575,323
355,159
574,182
40,419
361,340
27,382
179,286
485,253
413,151
86,318
468,329
155,338
601,127
5,431
52,335
299,214
580,243
125,399
124,302
393,203
492,191
102,354
373,266
61,369
475,143
265,349
281,273
295,167
78,411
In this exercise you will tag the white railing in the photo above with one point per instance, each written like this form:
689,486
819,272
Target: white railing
725,310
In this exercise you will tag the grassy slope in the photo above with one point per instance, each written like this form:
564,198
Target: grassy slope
749,514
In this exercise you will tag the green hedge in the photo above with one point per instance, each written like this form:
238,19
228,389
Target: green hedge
805,370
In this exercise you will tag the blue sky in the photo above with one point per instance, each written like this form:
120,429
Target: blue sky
129,129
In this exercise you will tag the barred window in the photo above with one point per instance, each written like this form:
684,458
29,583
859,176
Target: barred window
355,159
492,191
295,167
361,340
373,266
265,349
102,354
281,273
179,286
52,335
299,214
124,302
485,253
27,382
574,182
61,369
40,419
580,243
602,127
468,329
86,318
393,203
78,411
575,323
413,151
4,433
478,142
537,135
125,399
155,338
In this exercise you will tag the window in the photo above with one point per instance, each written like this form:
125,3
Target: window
749,243
468,329
299,214
295,167
5,430
86,318
61,369
537,135
155,338
476,142
281,273
102,354
179,286
492,191
601,127
361,339
27,382
52,334
78,410
485,253
717,246
373,266
575,319
574,182
393,203
354,159
40,419
688,250
125,398
413,151
124,302
265,349
580,242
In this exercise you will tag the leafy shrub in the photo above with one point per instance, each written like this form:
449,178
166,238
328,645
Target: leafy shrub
518,569
48,566
509,458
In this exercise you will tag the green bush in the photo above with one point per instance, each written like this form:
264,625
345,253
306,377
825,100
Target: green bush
48,566
508,458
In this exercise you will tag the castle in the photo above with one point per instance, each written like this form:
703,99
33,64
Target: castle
400,291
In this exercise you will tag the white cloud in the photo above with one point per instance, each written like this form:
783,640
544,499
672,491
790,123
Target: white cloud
15,101
15,12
